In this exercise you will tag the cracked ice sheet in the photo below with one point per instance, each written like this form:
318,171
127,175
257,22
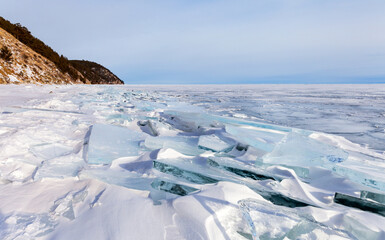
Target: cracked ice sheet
45,130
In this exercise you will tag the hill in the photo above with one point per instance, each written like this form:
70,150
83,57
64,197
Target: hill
26,59
95,72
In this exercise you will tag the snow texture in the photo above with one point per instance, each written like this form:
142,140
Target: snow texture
192,162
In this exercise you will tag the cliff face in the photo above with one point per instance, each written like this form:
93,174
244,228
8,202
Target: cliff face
96,73
27,66
26,59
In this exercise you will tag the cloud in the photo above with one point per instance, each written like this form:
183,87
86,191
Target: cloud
214,40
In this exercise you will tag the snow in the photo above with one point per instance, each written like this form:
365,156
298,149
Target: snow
172,162
13,79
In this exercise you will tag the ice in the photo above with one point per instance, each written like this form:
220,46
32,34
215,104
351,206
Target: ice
360,203
259,139
239,169
26,226
214,143
149,127
299,150
50,150
359,174
60,168
182,144
118,177
108,142
267,221
182,173
174,188
106,162
378,197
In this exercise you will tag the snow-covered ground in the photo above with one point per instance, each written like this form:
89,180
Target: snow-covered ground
192,162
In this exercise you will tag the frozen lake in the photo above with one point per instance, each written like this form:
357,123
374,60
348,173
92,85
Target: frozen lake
356,112
192,162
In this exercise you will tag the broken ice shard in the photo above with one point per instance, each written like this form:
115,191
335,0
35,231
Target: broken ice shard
59,168
174,188
214,143
299,150
282,200
108,142
50,150
149,127
360,203
260,138
238,169
378,197
185,174
120,178
359,174
267,221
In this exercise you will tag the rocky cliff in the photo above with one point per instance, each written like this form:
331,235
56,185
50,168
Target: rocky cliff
26,59
26,66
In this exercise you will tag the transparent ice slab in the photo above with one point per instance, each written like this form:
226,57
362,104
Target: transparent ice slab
259,139
182,173
238,168
299,150
378,197
214,143
119,178
50,150
267,221
183,144
173,188
59,168
108,142
360,203
193,120
361,175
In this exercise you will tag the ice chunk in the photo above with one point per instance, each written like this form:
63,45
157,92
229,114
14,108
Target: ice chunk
238,168
360,174
299,150
50,150
187,121
149,127
60,168
268,221
214,143
185,174
260,139
121,178
193,120
282,200
108,142
378,197
182,144
119,118
359,203
174,188
16,170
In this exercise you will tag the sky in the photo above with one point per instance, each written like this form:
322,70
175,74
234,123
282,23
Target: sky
213,41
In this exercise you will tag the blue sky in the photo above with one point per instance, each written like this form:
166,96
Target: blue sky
170,41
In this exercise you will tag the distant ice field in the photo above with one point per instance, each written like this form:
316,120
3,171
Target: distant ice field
356,112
